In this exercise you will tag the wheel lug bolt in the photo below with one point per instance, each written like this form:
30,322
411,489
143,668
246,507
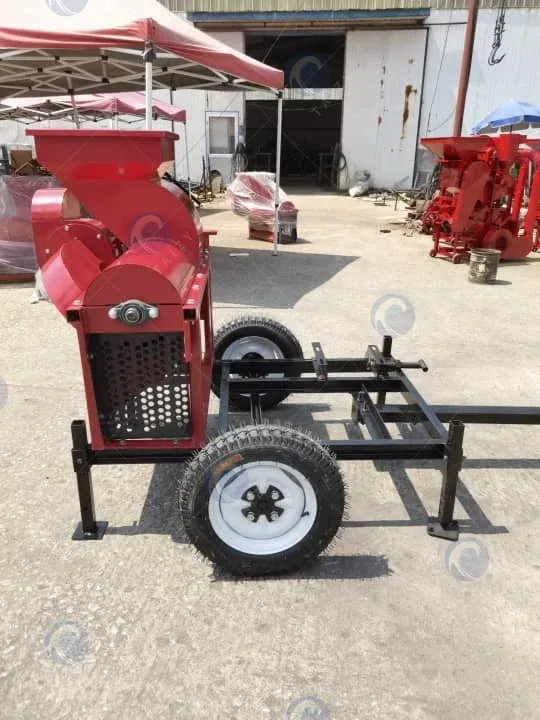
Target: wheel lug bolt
275,495
274,515
250,496
251,516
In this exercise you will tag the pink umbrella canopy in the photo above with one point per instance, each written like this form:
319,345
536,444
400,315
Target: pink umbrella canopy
106,104
129,103
50,47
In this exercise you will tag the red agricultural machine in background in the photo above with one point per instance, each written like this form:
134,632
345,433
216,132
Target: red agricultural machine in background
482,183
130,270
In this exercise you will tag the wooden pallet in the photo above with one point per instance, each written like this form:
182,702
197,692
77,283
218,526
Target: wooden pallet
16,278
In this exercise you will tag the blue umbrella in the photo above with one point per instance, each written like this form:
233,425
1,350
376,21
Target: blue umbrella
511,114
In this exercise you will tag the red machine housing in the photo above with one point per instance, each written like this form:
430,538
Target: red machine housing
481,189
130,271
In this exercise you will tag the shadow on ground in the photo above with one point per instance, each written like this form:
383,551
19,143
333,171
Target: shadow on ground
325,567
160,514
260,279
208,210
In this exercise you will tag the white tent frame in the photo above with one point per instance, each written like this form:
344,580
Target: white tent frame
59,72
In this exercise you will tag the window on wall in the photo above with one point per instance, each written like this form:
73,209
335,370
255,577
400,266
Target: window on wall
222,133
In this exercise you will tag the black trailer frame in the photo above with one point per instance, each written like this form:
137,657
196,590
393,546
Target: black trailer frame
377,373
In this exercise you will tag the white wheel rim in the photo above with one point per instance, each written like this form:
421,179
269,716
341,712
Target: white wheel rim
281,512
254,345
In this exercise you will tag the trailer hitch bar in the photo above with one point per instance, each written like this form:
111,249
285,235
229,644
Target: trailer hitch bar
378,362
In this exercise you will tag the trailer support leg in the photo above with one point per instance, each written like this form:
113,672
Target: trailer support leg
387,353
88,528
444,526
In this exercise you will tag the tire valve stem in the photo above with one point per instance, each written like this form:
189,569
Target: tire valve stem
305,514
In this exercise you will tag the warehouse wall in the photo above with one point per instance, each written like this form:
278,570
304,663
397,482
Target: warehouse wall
516,77
372,119
379,66
383,78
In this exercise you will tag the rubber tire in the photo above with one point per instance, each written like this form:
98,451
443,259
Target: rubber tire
248,444
263,327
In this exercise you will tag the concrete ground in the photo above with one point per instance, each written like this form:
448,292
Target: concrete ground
385,626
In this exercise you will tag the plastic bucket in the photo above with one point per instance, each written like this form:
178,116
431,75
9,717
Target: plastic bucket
483,266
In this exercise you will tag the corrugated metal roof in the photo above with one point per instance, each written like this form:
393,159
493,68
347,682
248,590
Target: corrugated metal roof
249,6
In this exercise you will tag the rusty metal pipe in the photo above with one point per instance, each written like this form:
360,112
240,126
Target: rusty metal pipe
466,61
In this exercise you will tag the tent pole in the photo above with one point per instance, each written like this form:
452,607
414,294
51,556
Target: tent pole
74,106
173,129
187,161
466,61
149,57
148,89
278,171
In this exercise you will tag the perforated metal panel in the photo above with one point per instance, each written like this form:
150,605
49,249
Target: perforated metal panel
141,385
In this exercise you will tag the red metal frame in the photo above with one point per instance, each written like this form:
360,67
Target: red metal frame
90,265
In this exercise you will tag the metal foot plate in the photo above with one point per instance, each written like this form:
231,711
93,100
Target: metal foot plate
101,528
446,532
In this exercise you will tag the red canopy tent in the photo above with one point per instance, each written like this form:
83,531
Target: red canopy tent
85,46
47,51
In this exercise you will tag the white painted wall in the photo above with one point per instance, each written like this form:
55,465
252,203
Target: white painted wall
228,102
379,65
516,77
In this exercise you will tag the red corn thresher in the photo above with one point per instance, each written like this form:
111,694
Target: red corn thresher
481,188
135,284
131,272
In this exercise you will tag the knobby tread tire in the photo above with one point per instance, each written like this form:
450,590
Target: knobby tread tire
245,326
262,442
